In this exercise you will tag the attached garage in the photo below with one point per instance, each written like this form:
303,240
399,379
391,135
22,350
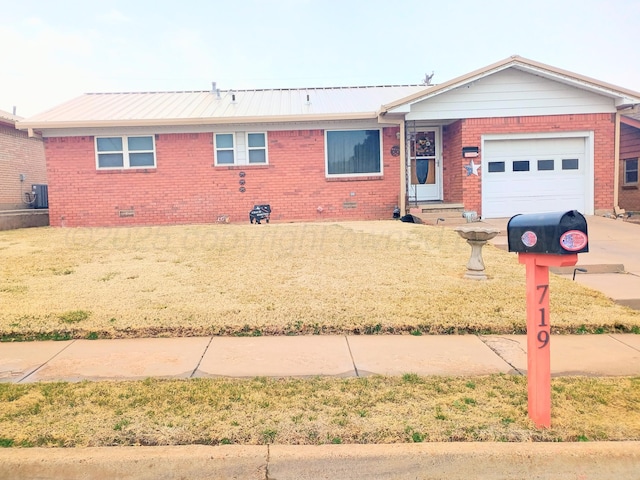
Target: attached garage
537,173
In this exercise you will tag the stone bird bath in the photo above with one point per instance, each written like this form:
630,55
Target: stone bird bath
476,236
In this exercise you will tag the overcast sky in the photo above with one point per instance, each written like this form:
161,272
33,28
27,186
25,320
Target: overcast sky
53,51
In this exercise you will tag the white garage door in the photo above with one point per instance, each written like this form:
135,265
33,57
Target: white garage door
535,176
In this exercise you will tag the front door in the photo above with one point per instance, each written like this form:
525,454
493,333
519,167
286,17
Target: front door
424,165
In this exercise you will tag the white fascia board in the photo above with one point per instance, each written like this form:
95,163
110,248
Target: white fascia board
528,136
620,98
625,102
221,128
405,108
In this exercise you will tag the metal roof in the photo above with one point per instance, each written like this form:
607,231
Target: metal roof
634,115
8,118
220,106
282,105
632,119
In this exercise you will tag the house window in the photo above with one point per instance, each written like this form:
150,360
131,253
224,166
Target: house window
545,165
241,148
496,167
353,152
257,147
125,152
631,171
225,150
521,165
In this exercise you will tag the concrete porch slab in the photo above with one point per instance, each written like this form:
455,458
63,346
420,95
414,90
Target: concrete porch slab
601,355
124,359
424,355
16,361
294,356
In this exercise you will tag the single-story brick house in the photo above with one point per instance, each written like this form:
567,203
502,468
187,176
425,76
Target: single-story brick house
629,199
514,137
22,164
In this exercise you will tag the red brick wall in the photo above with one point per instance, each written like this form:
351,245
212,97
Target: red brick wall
19,154
603,126
186,187
452,172
629,196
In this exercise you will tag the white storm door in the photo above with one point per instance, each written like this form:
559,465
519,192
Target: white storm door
425,165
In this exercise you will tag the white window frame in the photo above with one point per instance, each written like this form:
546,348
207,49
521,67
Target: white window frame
126,164
241,152
225,149
631,184
249,149
353,175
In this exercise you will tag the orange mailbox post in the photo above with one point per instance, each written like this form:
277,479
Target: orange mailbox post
543,240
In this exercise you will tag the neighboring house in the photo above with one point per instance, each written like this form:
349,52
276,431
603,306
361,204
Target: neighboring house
22,164
629,194
514,137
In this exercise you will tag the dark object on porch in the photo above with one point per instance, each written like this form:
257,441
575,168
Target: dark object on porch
396,213
408,218
260,212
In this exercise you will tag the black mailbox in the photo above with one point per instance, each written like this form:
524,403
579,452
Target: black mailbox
558,233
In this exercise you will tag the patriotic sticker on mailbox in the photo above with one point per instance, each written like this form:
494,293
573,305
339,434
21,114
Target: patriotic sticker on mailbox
529,238
573,240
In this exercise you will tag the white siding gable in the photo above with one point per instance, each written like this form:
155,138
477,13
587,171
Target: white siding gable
510,93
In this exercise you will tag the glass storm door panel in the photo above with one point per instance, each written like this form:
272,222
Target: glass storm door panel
424,165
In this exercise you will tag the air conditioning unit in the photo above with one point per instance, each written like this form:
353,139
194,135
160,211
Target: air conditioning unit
40,195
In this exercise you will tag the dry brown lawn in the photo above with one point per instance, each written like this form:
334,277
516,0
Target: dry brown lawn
313,411
353,277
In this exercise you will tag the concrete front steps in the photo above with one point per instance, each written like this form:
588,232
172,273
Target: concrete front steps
438,213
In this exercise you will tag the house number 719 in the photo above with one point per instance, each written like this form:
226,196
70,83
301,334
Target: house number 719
543,335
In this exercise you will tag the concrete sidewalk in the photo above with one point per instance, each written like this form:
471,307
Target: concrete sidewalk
306,356
352,356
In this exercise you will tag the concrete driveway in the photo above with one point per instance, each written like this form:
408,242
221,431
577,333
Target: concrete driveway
612,264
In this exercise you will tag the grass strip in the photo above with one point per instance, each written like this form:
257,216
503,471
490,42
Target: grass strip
277,279
376,409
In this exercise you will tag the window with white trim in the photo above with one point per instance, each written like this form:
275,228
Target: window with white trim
125,152
570,164
240,148
631,171
225,148
353,152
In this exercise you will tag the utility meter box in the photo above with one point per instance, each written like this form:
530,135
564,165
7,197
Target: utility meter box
557,233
